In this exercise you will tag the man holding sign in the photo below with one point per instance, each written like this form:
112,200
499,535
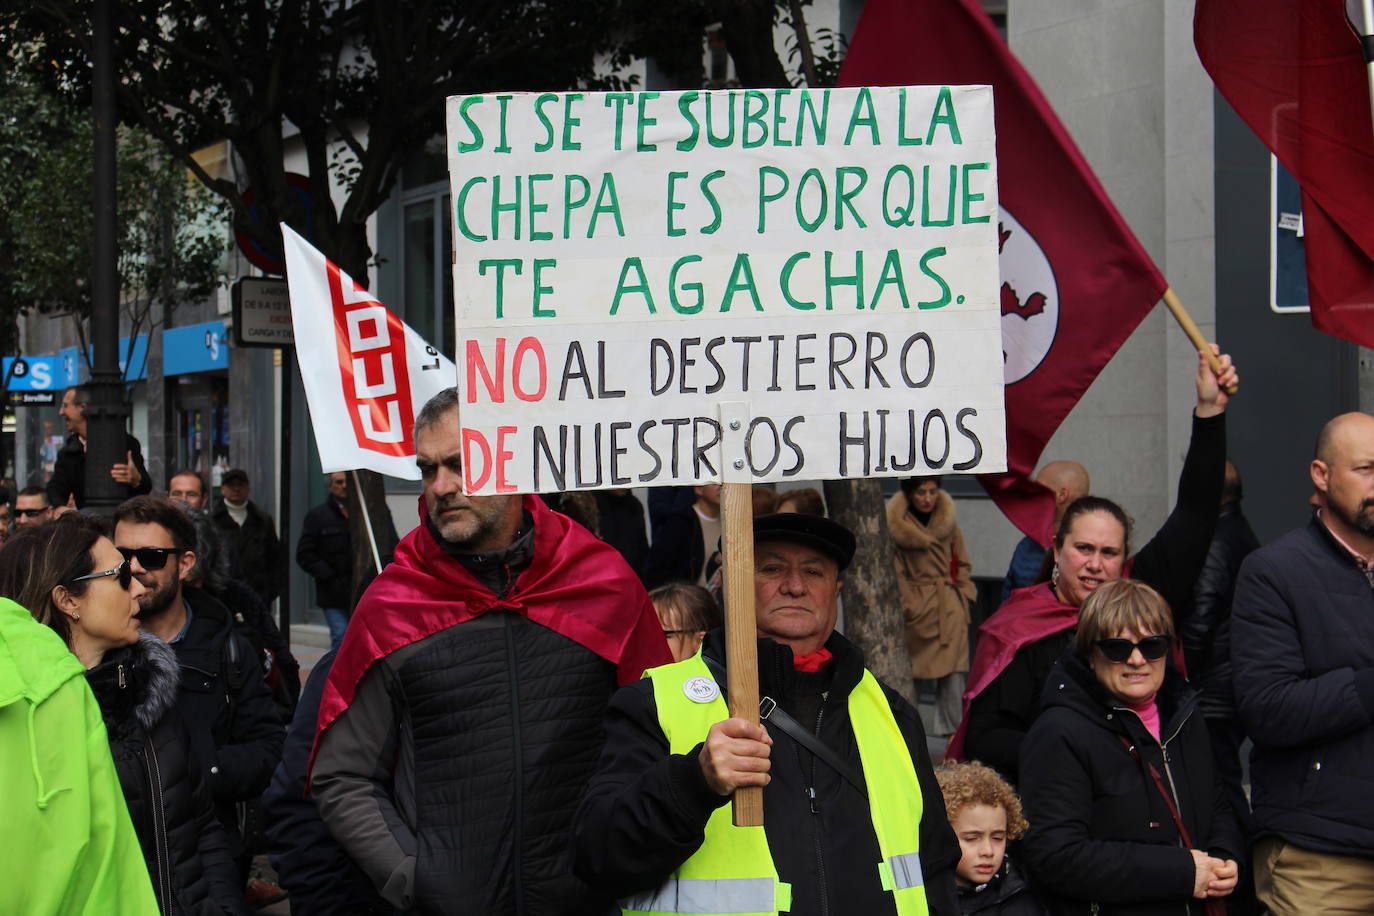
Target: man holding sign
461,719
739,287
855,822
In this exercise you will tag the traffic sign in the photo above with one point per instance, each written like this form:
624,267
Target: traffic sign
262,313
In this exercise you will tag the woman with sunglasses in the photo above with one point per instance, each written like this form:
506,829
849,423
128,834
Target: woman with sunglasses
1127,815
70,576
1019,644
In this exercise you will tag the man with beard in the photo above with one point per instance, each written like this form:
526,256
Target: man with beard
235,728
462,717
187,488
1302,648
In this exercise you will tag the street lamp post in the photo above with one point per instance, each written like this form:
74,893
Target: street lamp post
105,411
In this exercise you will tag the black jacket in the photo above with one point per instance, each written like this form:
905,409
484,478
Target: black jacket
1207,634
1007,894
646,810
325,550
676,553
1100,828
235,727
69,472
183,844
323,880
1000,716
1303,653
621,524
255,554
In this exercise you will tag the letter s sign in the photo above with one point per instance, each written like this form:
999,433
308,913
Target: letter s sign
40,375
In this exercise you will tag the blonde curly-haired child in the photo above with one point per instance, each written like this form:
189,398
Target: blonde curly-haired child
985,814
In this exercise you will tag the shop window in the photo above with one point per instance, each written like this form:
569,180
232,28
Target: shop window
427,277
425,242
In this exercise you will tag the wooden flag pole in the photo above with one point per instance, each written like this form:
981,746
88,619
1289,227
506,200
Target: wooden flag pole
741,646
1366,30
737,571
1185,321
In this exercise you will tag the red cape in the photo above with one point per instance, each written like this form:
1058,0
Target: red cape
575,585
1028,616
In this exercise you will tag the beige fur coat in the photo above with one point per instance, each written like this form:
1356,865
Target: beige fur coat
935,581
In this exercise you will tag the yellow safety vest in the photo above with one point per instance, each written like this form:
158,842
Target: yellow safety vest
733,874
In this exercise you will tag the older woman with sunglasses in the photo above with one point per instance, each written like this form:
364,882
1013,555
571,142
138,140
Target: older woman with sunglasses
70,576
1127,814
1019,644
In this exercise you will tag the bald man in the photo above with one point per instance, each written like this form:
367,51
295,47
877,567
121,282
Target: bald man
1067,480
1302,649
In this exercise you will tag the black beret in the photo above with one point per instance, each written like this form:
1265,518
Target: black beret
826,535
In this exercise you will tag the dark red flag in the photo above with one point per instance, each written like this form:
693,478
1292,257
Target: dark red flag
1295,73
1076,282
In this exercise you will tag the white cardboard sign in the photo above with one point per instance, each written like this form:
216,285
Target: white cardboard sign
823,262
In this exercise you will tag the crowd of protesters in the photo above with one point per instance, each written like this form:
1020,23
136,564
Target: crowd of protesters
509,722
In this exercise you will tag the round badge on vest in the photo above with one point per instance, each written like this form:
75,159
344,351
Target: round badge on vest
701,689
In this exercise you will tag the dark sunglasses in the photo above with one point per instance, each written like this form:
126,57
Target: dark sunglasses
1118,650
31,513
150,558
123,571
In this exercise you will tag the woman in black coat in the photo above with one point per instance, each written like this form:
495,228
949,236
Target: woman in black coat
1091,545
73,579
1127,815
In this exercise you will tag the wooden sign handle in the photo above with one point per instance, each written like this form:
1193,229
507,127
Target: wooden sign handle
741,646
1189,326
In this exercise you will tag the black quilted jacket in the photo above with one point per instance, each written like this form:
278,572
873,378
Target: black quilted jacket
497,728
183,843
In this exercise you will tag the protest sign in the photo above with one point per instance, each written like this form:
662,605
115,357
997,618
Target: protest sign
823,260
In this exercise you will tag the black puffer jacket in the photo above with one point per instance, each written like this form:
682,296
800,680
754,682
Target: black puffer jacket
646,809
183,843
1007,894
1102,839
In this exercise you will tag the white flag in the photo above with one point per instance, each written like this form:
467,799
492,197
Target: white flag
366,373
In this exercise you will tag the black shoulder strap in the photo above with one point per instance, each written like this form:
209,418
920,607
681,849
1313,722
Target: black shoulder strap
770,711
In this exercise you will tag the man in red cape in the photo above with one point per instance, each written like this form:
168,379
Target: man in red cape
462,718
